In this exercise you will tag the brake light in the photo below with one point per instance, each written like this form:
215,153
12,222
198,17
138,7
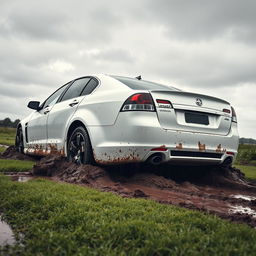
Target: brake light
234,118
225,110
159,149
139,102
164,103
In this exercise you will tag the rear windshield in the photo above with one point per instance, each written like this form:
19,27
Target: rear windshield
136,84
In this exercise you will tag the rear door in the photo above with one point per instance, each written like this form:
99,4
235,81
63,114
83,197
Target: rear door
62,112
193,112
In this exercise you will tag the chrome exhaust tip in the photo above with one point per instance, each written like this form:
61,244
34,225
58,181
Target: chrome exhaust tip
227,162
156,159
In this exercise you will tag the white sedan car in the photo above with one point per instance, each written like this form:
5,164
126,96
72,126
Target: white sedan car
112,119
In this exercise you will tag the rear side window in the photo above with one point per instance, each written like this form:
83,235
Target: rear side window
90,87
75,89
136,84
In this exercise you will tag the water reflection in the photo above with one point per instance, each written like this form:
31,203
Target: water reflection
6,234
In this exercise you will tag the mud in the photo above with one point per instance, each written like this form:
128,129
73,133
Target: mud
12,153
220,191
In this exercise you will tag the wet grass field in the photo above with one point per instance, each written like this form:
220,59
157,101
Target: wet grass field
248,170
65,219
12,165
50,218
7,136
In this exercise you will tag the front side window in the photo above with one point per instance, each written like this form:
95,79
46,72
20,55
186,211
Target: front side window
75,89
55,96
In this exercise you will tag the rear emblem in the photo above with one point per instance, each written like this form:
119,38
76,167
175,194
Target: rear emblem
199,102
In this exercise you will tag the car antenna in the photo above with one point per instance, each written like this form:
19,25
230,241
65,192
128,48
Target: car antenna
138,77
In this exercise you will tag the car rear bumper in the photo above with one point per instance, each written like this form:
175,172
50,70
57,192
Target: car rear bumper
136,137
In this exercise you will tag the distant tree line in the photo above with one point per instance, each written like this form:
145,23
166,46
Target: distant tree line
247,141
7,122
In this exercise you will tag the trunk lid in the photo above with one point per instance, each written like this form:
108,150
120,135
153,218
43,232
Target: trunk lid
193,112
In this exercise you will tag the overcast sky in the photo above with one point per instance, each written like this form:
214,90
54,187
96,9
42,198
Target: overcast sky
202,46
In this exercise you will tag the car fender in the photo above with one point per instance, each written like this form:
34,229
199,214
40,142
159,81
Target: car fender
71,121
23,124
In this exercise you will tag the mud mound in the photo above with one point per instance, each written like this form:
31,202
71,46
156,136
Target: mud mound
48,165
12,153
93,176
86,174
219,191
228,177
205,175
152,180
221,175
58,166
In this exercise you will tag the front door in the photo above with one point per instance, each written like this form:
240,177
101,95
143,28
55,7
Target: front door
37,125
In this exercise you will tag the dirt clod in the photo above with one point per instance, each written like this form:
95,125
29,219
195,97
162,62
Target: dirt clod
48,165
139,193
12,153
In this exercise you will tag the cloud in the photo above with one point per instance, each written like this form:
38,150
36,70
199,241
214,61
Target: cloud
60,66
108,55
59,21
201,45
204,19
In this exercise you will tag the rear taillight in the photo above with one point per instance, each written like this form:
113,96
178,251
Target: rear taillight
234,118
139,102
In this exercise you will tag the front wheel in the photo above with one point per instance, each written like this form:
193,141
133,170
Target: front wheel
19,143
79,149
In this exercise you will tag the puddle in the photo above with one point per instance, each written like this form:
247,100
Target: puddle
4,146
21,178
245,197
242,210
6,234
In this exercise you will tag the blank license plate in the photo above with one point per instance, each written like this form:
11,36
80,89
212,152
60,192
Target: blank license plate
196,118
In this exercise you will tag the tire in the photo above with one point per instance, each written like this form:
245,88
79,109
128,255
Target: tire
19,142
79,148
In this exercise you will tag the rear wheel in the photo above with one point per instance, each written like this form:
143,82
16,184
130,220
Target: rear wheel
79,149
19,143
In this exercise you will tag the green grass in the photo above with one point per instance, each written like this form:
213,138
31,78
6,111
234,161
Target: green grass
7,136
249,171
2,149
246,154
65,219
15,165
253,162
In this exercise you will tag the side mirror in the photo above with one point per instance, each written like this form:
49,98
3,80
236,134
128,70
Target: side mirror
34,105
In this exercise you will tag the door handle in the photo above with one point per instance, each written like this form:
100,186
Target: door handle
72,104
46,111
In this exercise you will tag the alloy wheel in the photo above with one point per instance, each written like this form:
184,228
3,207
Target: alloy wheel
77,148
